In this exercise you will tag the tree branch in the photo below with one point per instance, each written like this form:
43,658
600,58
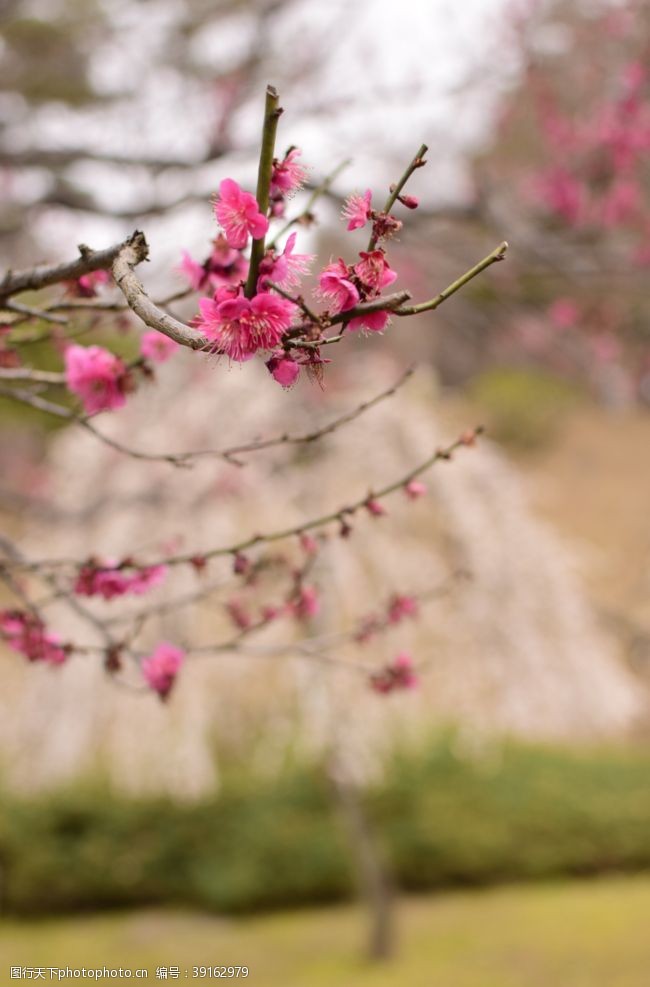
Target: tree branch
128,256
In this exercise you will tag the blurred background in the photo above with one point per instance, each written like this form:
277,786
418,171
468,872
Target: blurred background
492,827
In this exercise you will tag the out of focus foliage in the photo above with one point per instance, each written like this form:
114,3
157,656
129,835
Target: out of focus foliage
442,818
522,407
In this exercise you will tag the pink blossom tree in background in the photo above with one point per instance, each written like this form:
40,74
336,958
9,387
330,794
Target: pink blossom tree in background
569,168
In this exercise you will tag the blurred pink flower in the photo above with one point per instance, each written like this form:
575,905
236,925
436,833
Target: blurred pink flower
86,286
157,347
564,313
161,668
306,603
401,606
375,507
96,376
26,634
109,579
562,194
397,675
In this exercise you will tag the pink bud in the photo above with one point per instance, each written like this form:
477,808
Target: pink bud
284,370
241,564
374,507
414,489
308,544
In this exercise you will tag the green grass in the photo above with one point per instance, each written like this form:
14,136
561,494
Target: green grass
578,934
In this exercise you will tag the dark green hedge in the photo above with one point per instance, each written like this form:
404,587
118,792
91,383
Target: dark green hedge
520,813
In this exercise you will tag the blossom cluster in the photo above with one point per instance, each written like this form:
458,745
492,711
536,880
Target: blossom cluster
25,633
111,579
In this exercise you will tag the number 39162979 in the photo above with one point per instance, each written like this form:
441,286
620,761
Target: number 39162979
219,972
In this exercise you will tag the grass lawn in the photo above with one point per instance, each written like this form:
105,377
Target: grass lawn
577,934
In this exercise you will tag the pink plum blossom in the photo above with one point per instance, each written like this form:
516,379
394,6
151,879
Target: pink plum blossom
239,214
194,272
96,376
157,347
161,668
374,271
240,326
288,175
285,269
225,265
336,288
375,507
371,322
357,210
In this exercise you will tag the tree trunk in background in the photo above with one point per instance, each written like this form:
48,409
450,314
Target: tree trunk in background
373,879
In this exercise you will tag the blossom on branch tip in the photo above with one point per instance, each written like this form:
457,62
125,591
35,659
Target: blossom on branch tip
239,214
157,347
96,376
161,668
357,210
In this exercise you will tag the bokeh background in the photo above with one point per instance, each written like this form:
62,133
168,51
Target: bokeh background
493,826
